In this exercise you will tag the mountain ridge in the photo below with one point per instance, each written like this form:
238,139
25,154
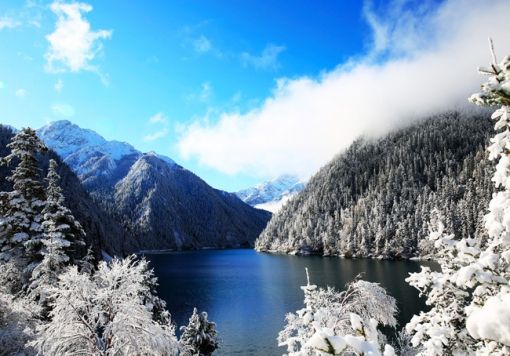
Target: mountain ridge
161,204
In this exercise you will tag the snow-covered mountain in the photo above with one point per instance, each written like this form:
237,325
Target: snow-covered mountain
271,195
88,154
161,204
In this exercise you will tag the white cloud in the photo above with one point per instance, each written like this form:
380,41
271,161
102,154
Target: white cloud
2,85
205,91
59,85
268,59
306,121
161,120
73,45
156,135
202,95
63,110
8,23
21,93
202,44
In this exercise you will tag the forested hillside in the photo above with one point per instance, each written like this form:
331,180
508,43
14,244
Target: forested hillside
375,199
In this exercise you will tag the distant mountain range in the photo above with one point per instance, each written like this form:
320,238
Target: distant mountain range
160,204
271,195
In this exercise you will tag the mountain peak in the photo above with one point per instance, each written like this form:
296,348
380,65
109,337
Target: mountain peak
67,138
271,195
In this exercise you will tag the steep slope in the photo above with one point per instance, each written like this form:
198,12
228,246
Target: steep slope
273,194
103,231
375,198
164,205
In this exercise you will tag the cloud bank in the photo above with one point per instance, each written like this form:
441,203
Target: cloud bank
73,45
421,61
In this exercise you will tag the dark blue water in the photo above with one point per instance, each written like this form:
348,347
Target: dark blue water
248,293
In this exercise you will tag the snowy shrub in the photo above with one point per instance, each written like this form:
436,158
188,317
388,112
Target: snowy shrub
334,322
18,320
199,337
107,313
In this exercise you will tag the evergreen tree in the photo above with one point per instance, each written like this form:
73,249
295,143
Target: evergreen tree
470,296
21,209
199,337
62,232
62,239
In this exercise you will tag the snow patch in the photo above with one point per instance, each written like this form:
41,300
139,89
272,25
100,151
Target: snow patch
492,321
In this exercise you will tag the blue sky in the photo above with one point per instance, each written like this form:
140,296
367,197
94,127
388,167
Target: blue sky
209,83
179,59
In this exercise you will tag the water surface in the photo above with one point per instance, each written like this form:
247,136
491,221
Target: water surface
248,293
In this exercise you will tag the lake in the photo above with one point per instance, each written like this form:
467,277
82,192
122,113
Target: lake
248,293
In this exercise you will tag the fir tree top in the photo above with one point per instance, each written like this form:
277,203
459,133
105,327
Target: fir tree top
26,176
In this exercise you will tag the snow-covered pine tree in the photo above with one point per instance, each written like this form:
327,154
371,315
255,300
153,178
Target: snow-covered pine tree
334,323
107,313
21,231
442,329
62,232
62,239
489,313
470,297
199,337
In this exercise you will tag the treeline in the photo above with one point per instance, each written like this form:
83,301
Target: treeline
375,199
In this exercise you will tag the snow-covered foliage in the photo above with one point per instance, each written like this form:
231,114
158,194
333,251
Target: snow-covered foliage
334,322
470,296
62,239
18,321
442,330
107,313
21,209
491,271
199,337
